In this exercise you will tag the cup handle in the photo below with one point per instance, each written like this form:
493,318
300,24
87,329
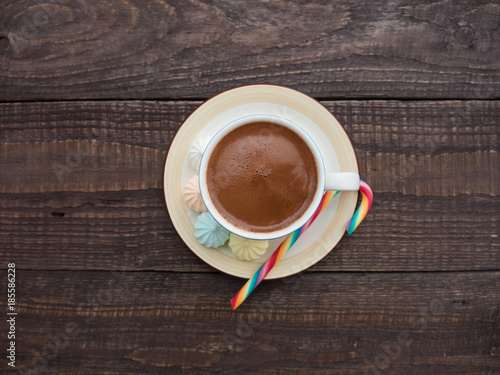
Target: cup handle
342,181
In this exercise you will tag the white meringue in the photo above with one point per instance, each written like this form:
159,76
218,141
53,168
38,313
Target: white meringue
196,151
192,195
209,232
246,249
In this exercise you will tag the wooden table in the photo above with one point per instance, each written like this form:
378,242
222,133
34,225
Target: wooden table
92,94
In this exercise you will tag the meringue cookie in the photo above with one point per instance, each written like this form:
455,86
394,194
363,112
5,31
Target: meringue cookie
209,232
192,195
196,151
246,249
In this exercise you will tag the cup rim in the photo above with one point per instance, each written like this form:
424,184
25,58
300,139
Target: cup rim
308,213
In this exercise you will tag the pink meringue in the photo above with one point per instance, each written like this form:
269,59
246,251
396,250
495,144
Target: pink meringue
192,195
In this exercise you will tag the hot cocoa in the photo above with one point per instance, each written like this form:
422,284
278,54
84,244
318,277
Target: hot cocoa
262,177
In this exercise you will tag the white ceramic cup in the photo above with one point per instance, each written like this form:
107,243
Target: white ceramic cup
327,181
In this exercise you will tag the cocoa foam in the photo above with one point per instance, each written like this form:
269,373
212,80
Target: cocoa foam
262,177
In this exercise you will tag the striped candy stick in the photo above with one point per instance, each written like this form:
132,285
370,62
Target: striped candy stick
252,283
364,207
359,215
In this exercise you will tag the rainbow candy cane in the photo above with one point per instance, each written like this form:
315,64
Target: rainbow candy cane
357,218
364,207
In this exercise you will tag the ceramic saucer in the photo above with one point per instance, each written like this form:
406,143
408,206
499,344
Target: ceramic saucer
316,120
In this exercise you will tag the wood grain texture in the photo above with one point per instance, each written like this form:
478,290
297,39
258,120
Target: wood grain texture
315,323
105,286
61,49
81,186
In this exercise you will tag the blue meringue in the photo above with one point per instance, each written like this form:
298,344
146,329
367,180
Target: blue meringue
209,232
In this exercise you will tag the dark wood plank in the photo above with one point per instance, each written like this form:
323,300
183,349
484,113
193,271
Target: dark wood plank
81,186
61,49
319,323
